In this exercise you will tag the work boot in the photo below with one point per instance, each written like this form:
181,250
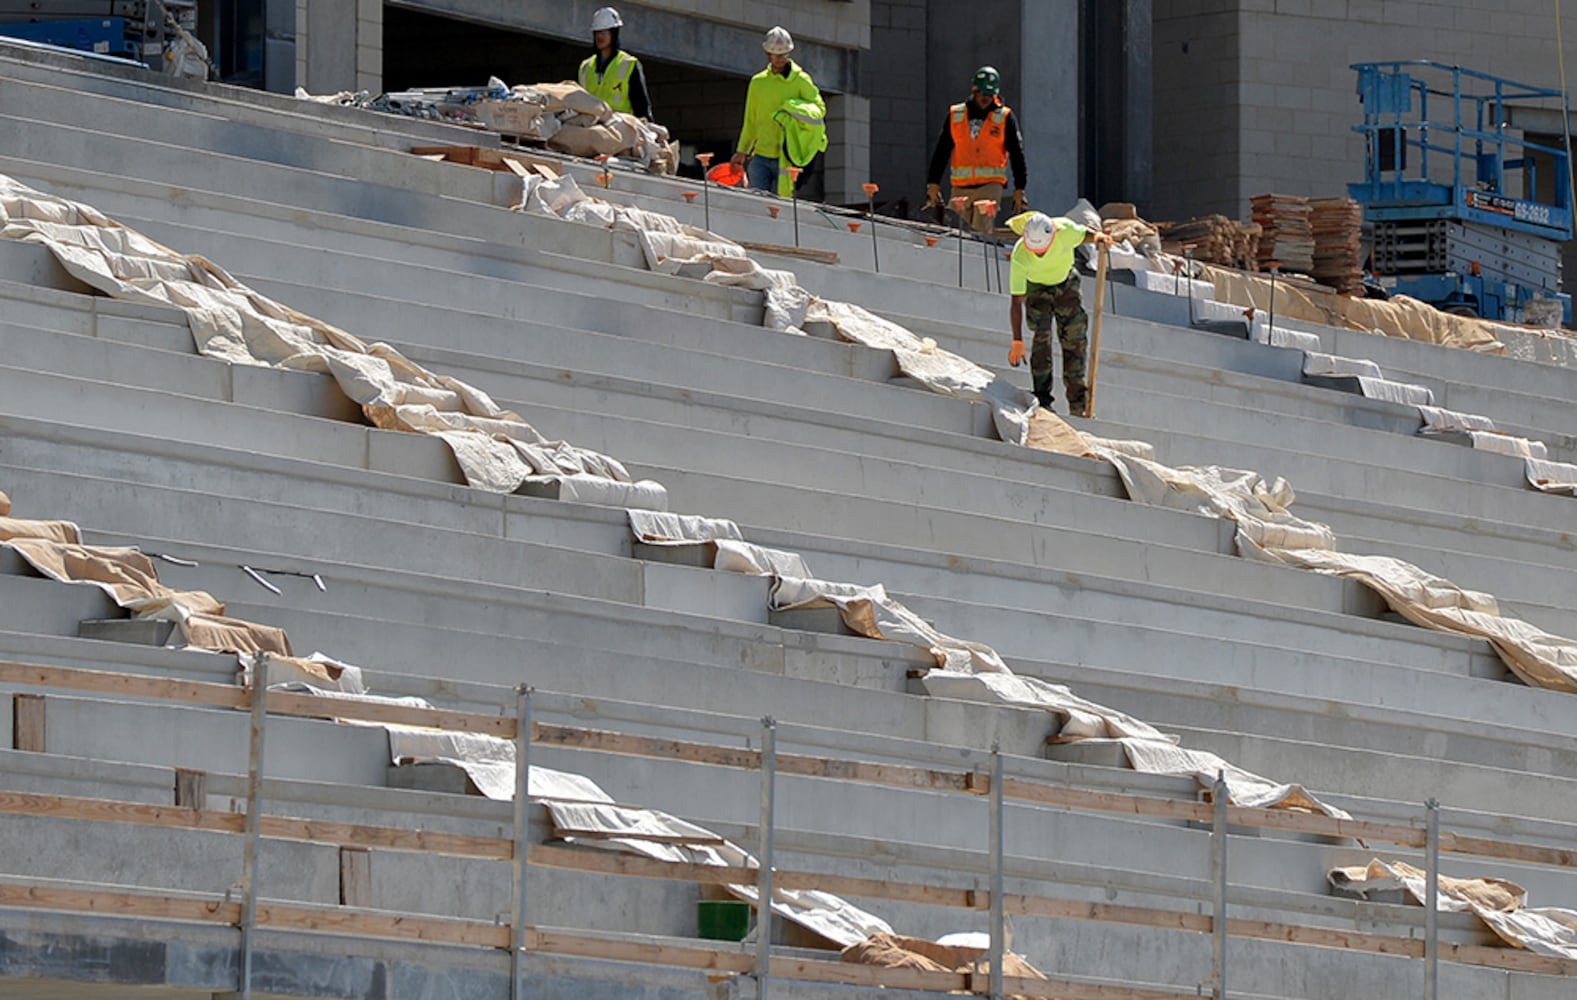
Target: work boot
1045,399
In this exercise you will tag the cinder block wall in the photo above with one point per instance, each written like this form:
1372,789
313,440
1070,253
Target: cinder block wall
895,80
1254,96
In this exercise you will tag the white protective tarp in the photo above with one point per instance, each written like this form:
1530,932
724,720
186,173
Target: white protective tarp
1268,530
972,671
579,805
496,450
671,247
1502,905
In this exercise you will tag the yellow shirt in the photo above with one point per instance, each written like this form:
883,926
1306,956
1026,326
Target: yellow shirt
1050,268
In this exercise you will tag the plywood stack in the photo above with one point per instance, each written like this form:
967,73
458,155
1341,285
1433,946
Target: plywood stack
1338,231
1215,239
1288,237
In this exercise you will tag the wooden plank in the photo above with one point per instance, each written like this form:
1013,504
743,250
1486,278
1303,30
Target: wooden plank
383,924
1023,986
893,775
119,904
191,788
277,827
109,811
516,167
355,876
1326,937
1068,909
804,253
568,943
1115,802
129,685
638,867
27,722
313,707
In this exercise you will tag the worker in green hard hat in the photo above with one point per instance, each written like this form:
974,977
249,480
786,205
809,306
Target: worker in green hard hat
979,140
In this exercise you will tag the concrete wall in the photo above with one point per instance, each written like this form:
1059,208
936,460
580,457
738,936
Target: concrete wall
895,80
1197,84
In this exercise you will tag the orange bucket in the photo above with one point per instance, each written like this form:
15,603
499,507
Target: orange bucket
727,175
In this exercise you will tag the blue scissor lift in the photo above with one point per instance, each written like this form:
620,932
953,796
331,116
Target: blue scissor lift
1447,228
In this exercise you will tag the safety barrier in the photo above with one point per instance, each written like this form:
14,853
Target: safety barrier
520,938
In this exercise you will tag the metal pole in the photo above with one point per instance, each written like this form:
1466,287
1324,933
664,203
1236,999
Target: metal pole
764,865
1431,910
1218,835
998,911
254,821
517,928
1270,323
870,215
996,255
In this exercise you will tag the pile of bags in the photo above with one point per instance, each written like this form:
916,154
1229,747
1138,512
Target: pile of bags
571,120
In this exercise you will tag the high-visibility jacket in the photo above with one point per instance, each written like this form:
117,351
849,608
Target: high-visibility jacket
613,83
761,135
982,158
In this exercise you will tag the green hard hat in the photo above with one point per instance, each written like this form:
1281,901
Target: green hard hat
988,81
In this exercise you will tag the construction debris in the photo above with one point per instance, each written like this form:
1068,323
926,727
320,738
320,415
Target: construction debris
1214,239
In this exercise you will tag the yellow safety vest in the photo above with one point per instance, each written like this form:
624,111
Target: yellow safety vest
613,83
981,158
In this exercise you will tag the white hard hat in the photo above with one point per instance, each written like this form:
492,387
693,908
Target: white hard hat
779,42
606,19
1038,232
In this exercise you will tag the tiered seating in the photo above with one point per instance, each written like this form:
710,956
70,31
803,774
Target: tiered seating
448,593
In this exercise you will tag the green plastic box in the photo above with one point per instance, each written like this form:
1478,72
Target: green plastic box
723,919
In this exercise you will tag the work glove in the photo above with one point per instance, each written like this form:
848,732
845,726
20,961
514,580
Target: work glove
1016,353
739,160
1103,239
1020,202
933,195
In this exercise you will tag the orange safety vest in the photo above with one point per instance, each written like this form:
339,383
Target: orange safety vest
980,159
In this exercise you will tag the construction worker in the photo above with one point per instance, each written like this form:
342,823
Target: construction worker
611,73
782,94
1045,283
979,139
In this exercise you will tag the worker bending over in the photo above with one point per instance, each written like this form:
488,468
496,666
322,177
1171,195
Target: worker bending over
785,119
1045,282
979,139
611,73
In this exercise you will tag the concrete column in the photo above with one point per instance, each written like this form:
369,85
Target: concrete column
339,45
1048,111
1138,103
848,148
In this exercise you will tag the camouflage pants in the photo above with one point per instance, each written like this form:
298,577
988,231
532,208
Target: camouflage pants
1065,304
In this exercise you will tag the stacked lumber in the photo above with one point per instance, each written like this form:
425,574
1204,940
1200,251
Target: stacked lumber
1288,237
1215,239
1338,231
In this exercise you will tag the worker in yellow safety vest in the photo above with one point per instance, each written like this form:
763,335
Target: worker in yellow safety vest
979,140
782,87
611,73
1045,284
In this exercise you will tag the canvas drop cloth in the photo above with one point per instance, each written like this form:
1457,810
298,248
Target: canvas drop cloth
672,247
1268,530
1500,904
129,579
497,451
973,671
583,813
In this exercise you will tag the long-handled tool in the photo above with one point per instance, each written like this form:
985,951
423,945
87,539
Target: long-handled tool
1095,334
